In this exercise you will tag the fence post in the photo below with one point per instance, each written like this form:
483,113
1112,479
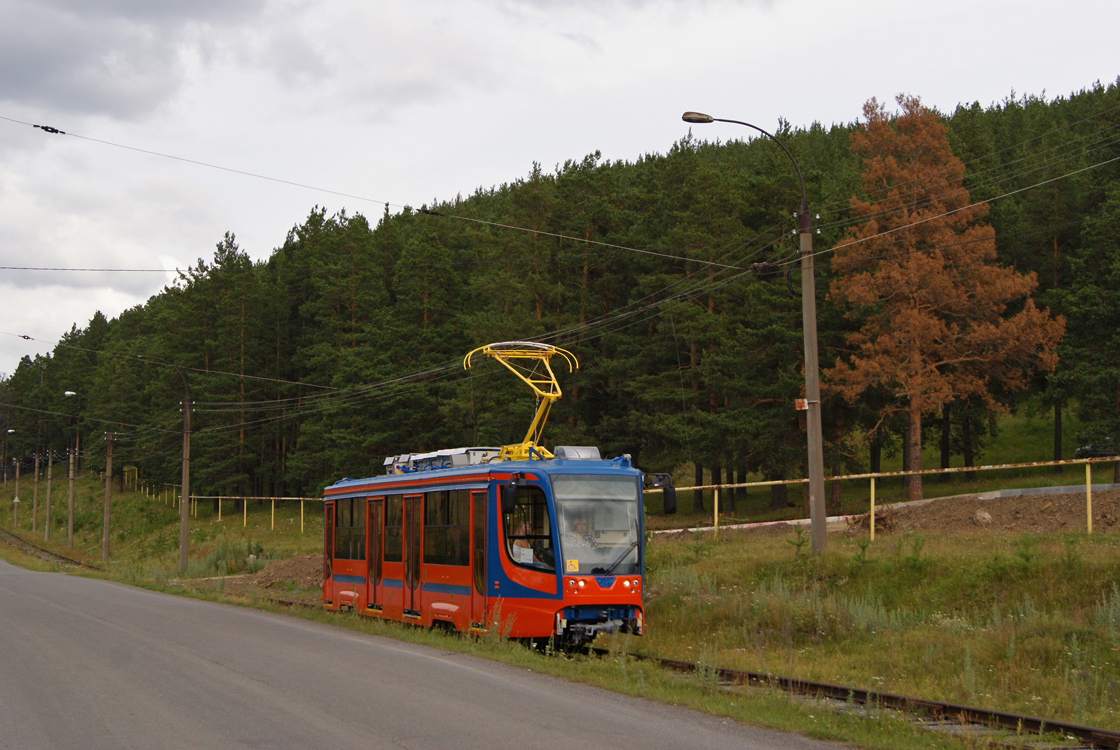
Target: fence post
1089,496
872,508
715,511
244,512
301,516
219,510
273,527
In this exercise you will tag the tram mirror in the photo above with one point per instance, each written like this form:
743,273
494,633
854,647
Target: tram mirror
664,482
508,494
669,499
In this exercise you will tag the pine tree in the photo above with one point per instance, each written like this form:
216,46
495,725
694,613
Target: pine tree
919,276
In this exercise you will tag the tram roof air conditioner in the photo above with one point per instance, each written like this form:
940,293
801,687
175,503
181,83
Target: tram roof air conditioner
445,459
578,452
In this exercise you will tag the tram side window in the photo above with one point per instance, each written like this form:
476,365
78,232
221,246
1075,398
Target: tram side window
447,527
393,520
528,531
350,529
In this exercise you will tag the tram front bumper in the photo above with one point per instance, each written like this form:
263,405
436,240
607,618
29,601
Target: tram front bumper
586,631
582,624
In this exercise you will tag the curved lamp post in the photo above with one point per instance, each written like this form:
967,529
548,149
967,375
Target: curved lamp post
15,500
817,516
184,502
73,457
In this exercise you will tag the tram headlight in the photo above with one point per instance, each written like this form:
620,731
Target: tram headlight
626,583
582,583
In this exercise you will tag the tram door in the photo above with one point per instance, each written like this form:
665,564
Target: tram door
328,541
478,559
413,524
374,525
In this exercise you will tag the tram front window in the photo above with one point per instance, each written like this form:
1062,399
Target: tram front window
528,532
597,517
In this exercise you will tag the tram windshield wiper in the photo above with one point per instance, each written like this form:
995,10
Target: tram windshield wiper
608,571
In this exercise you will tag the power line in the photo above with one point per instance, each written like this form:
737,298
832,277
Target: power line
196,162
950,212
49,129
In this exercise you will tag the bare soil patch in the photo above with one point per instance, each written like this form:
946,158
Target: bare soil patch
296,579
1034,514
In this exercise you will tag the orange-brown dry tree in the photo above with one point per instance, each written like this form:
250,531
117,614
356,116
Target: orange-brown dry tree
919,277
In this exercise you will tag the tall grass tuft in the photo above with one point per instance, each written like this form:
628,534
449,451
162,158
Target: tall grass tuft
1106,614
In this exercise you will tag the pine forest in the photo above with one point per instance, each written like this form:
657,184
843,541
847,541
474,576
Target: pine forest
967,264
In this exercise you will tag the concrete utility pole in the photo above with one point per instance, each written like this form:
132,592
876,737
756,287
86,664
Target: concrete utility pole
15,501
35,497
50,483
70,507
108,488
185,502
73,455
818,519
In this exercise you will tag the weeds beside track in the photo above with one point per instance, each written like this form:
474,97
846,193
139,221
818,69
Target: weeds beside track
41,552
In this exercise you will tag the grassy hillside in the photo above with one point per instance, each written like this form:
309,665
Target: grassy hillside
1027,623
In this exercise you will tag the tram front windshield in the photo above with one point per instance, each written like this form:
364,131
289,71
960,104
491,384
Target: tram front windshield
598,523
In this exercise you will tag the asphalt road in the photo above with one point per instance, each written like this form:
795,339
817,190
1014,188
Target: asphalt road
90,664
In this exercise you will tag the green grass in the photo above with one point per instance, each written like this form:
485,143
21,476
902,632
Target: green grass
1020,623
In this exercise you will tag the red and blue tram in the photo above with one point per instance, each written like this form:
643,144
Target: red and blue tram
550,547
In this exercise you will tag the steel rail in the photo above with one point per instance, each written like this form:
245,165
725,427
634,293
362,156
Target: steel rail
1095,737
42,553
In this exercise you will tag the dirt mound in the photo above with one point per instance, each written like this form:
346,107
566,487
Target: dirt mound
296,580
305,571
1036,514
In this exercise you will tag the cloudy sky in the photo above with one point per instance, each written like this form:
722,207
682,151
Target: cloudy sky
403,102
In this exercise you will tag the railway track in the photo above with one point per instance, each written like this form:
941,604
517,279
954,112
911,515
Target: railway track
929,713
938,712
42,553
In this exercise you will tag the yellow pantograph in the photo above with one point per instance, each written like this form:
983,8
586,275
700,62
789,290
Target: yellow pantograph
540,378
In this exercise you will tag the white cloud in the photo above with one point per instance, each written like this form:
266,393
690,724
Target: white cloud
405,101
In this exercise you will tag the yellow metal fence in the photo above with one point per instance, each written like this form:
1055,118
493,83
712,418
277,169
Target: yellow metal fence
1087,462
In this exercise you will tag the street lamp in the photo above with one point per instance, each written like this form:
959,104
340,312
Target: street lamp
108,484
184,503
5,456
70,494
15,501
817,516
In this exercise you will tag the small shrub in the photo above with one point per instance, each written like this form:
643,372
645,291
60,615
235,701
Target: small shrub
799,541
